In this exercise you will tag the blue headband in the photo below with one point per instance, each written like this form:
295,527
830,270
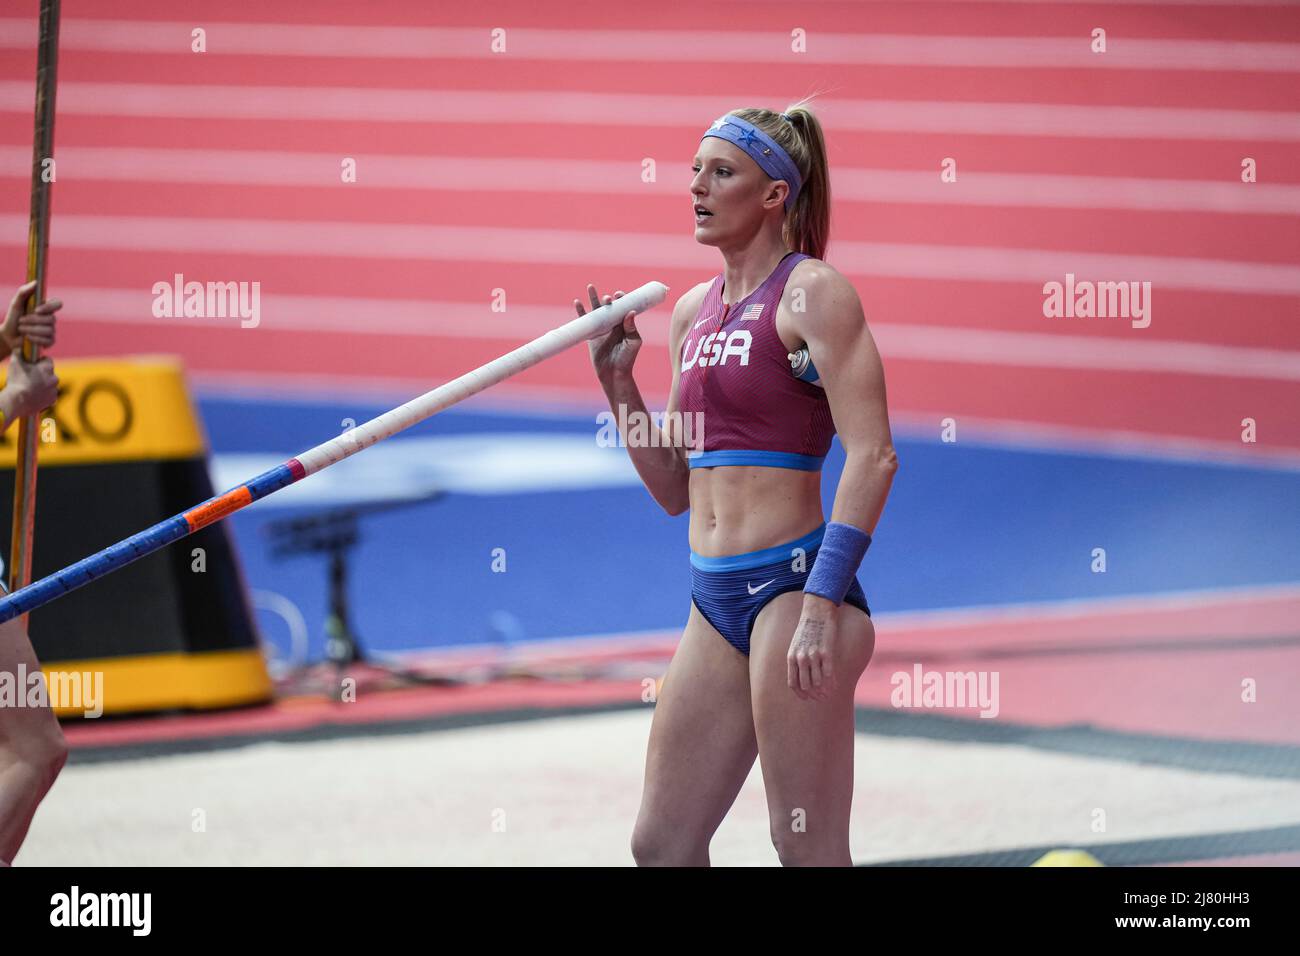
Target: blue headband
764,150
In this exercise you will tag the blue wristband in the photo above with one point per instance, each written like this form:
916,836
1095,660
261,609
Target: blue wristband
838,557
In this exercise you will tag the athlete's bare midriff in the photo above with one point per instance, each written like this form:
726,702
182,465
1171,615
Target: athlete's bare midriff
740,508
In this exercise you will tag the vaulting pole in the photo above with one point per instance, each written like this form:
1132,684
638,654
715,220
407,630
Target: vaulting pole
597,322
38,239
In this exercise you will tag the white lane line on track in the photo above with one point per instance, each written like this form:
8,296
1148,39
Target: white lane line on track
648,251
663,46
234,167
923,342
309,104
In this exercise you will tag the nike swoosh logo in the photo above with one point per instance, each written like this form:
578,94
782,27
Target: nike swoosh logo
754,590
702,321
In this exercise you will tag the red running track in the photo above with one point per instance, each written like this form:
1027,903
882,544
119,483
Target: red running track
1167,667
224,165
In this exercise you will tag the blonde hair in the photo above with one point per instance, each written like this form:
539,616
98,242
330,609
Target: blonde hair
808,223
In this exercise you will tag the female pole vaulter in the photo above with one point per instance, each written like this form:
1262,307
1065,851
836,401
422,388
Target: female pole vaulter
779,628
32,748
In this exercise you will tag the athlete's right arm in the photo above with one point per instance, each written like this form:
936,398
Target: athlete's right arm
660,460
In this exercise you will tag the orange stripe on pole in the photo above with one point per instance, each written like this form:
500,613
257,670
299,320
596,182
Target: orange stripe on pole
212,511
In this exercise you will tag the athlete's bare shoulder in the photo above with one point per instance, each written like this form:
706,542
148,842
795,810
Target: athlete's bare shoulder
815,272
822,282
828,297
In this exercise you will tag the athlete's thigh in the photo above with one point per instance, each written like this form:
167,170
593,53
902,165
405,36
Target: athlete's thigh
702,745
806,746
25,728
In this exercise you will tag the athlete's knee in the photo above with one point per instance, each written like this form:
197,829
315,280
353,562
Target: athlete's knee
53,756
802,848
657,845
39,753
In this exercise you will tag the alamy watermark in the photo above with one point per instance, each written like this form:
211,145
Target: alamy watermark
211,300
637,429
131,911
1102,300
942,690
68,690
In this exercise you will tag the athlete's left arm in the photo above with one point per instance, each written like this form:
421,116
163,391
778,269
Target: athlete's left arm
846,358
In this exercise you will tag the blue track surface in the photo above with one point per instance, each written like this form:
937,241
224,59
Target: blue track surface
965,525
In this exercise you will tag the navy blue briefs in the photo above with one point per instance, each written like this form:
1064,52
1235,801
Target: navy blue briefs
730,591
